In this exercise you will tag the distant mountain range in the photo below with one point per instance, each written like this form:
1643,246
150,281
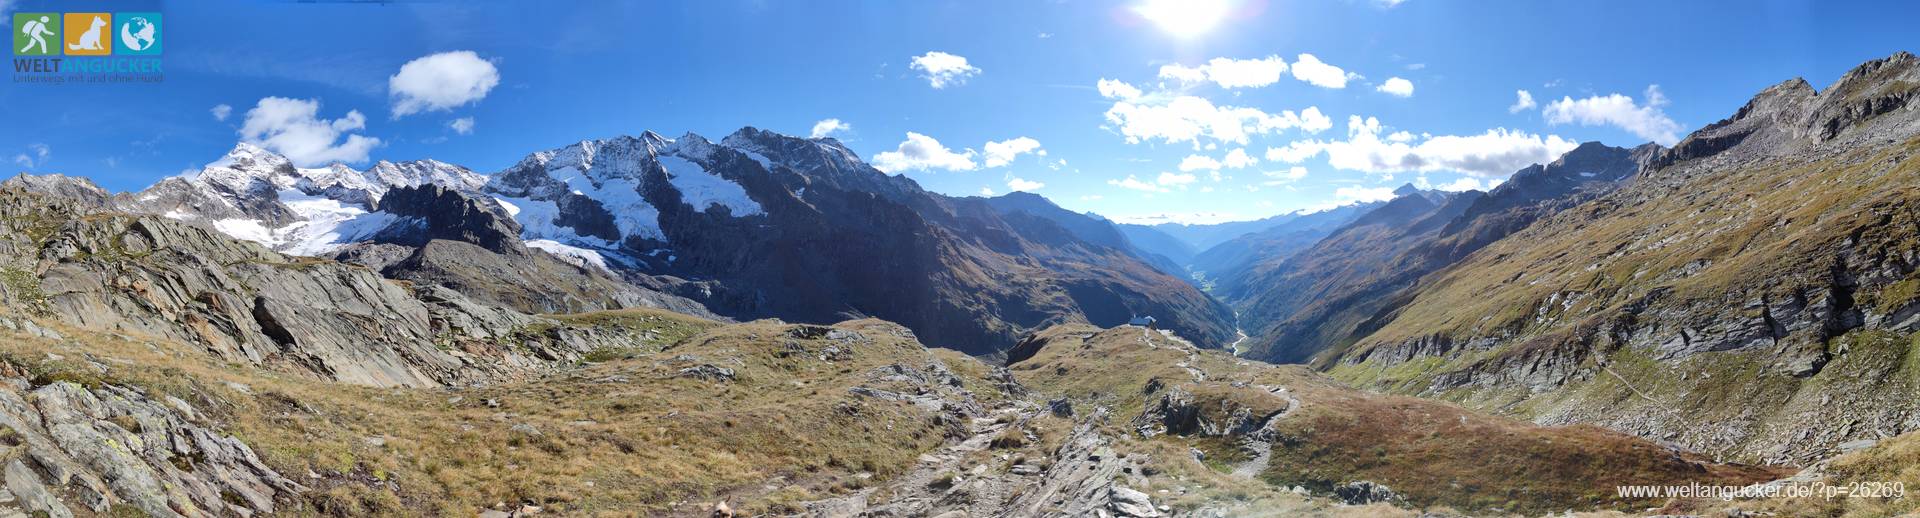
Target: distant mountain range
756,225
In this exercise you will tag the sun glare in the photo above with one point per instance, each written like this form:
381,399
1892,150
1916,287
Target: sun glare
1185,18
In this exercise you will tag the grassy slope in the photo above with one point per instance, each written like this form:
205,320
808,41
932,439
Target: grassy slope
1777,218
605,439
1768,229
1434,453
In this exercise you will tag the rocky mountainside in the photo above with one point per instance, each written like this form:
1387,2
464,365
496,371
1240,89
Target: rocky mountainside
1750,294
1296,307
1321,279
1201,236
1195,423
1150,240
688,224
156,277
852,241
250,381
1229,264
1092,229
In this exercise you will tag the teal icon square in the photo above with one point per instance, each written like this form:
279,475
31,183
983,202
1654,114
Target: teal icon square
136,34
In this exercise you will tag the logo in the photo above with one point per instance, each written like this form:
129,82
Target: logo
81,48
87,34
36,34
138,34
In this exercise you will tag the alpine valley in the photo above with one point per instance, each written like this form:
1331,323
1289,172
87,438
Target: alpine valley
767,325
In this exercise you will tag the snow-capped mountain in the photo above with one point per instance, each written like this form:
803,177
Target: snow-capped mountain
592,197
257,195
757,225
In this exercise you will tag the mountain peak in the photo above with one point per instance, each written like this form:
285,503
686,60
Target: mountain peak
247,154
1405,190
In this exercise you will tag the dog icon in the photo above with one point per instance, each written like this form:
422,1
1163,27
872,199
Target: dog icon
90,40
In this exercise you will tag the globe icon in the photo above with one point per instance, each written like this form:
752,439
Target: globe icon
137,34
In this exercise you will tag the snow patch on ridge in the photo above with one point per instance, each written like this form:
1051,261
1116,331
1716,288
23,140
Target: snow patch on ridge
326,225
701,189
571,254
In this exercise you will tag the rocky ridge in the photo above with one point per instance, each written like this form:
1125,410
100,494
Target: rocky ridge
1749,285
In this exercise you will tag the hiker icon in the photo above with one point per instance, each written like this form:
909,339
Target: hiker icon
37,32
90,40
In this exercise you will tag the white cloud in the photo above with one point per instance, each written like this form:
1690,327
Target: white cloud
1496,153
1183,73
1350,194
1199,162
1294,152
1130,182
1163,183
1523,101
1188,119
1646,121
291,127
1229,73
1416,66
1117,89
35,156
1464,183
1189,218
463,125
828,127
1397,87
1293,174
1003,152
1238,158
1022,184
441,81
221,112
921,152
942,69
1317,73
986,191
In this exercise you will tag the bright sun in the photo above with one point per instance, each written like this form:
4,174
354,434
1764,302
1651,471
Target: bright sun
1185,18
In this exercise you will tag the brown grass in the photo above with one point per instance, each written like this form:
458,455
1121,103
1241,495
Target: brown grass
608,439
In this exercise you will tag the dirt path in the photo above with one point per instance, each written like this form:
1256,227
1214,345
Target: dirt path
1260,442
919,489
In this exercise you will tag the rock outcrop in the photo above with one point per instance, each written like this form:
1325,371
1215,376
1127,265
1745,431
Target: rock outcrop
90,450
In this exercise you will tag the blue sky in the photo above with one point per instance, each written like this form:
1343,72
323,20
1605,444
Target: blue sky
1031,81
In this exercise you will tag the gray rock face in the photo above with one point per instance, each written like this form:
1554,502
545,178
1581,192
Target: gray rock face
243,303
168,464
78,190
1129,503
436,212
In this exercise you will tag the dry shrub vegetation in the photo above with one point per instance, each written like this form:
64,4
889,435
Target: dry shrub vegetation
1435,454
610,438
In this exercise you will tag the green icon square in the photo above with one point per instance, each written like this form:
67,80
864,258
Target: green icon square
36,34
136,34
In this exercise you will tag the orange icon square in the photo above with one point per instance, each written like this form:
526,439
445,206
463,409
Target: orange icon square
89,36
